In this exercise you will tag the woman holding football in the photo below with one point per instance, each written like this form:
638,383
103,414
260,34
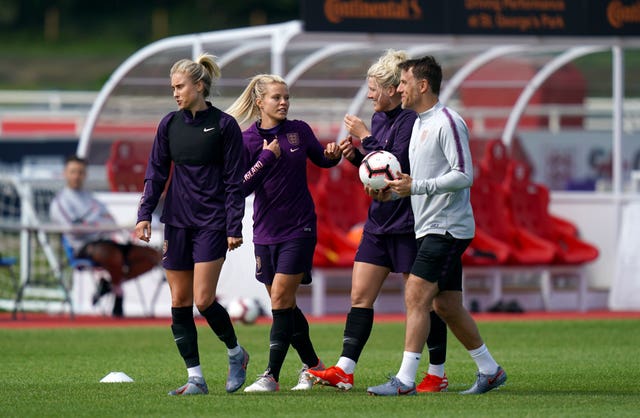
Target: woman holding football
202,213
388,242
284,220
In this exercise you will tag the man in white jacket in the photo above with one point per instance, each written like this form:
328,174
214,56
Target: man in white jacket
75,207
439,186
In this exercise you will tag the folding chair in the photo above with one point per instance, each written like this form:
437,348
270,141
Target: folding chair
82,264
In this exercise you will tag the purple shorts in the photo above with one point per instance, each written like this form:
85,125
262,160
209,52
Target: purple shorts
439,260
394,251
291,257
184,247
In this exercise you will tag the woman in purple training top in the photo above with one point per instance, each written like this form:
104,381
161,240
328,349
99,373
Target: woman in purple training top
202,213
284,218
388,242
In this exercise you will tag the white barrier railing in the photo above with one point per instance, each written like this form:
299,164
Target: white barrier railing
74,105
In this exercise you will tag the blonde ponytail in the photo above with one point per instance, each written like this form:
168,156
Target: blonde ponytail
386,70
204,68
245,106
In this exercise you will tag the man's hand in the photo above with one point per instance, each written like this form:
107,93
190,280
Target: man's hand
401,186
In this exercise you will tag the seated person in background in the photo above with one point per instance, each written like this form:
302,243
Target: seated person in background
74,206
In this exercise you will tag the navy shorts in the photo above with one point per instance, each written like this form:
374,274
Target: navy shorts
183,247
291,257
394,251
439,260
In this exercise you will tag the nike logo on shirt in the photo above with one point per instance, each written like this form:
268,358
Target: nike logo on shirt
208,129
294,149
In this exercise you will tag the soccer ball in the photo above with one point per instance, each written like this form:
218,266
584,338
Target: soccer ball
245,310
378,166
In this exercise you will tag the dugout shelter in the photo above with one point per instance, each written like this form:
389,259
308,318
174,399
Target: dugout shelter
513,74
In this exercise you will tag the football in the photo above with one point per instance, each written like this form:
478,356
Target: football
378,166
245,310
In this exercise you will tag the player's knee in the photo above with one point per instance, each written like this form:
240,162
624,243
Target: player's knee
282,300
446,309
415,301
443,311
181,297
203,301
361,301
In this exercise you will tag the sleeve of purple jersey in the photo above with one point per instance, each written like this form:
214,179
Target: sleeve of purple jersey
257,165
232,176
315,150
402,137
158,170
357,158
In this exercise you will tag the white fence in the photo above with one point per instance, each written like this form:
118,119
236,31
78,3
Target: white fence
74,105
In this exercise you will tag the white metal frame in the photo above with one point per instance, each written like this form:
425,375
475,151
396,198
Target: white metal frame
482,49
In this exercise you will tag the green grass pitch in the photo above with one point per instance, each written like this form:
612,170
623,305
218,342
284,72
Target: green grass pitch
556,369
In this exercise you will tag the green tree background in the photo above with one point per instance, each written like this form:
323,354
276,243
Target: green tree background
76,44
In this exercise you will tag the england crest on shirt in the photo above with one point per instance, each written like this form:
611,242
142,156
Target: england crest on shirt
293,138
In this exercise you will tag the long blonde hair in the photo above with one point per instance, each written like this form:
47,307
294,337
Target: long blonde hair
245,106
204,68
385,70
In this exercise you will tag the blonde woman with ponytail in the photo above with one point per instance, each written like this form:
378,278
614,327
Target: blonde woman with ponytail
202,213
284,220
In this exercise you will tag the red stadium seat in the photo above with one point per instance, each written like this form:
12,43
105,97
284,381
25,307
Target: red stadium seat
492,217
127,164
500,225
564,225
485,250
528,204
341,204
495,160
341,197
496,157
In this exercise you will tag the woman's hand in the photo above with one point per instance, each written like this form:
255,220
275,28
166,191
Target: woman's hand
234,242
356,127
143,231
332,151
347,148
273,146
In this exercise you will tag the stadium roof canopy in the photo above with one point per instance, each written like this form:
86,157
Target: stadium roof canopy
326,74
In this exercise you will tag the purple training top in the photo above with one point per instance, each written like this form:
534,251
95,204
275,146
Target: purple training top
283,208
390,131
203,196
